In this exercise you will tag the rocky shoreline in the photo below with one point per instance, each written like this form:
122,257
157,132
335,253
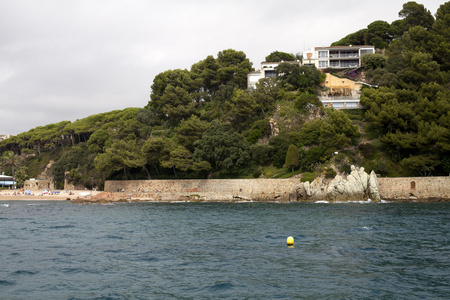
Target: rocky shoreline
358,186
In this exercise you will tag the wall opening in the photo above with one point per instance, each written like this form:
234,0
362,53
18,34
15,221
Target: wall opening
413,185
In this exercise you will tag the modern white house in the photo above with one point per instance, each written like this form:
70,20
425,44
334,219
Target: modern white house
337,57
267,71
340,93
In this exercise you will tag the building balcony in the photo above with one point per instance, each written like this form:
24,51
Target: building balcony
337,56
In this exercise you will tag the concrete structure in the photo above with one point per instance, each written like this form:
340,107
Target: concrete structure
38,185
337,57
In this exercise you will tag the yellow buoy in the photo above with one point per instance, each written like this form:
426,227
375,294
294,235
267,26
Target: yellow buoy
290,241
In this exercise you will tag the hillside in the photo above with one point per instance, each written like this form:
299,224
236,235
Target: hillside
205,123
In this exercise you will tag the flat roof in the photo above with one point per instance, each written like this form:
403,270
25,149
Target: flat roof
346,47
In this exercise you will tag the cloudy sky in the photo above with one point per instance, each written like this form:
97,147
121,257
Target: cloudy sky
68,59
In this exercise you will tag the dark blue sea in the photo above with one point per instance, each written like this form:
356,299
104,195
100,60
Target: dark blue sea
59,250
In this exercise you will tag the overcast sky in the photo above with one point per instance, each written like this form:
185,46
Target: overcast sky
67,59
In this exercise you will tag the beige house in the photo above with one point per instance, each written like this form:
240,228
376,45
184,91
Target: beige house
340,93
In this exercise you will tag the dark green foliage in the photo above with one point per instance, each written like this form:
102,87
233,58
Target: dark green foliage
278,56
292,159
308,176
262,154
122,155
381,168
380,34
373,61
305,102
293,76
224,149
357,38
190,130
313,156
414,14
20,176
366,149
345,168
258,130
330,173
79,163
280,144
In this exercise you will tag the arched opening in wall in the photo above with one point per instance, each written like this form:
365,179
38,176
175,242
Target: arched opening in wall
413,185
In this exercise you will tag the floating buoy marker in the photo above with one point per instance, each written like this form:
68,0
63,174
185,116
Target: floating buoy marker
290,241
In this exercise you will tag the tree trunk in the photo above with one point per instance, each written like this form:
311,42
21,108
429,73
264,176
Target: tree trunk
174,172
125,172
148,173
157,171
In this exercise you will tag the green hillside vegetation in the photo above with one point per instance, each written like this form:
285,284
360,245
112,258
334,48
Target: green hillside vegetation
205,123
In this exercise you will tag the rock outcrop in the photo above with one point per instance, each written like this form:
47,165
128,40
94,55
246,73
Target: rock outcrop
358,186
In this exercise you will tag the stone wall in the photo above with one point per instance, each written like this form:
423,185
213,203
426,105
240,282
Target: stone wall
209,189
38,185
410,188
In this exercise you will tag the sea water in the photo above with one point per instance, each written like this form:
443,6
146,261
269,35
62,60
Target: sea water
58,250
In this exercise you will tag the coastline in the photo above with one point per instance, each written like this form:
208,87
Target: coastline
100,197
19,195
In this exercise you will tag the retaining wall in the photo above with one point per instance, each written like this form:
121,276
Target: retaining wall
421,188
405,188
209,189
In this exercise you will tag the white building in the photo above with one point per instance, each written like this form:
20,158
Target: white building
4,136
267,70
7,181
337,57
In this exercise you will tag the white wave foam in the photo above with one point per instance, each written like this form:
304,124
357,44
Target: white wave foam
4,205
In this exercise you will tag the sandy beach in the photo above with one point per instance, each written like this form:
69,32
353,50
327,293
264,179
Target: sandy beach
57,195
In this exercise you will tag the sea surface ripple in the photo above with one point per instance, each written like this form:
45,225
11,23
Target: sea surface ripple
58,250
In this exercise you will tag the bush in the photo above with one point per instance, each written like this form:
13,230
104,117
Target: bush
381,168
345,168
308,176
366,149
330,173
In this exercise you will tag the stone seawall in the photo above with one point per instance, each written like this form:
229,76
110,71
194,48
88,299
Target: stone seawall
415,188
209,189
283,190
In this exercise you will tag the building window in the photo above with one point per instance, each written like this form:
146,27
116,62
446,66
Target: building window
323,54
334,64
352,105
349,63
366,51
270,74
323,64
